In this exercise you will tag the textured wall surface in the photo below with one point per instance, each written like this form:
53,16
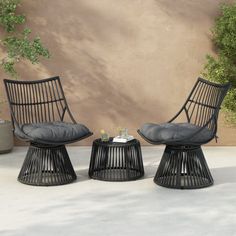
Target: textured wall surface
125,62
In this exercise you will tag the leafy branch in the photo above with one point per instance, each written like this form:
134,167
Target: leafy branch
18,45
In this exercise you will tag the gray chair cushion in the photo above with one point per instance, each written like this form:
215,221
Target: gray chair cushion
54,132
169,132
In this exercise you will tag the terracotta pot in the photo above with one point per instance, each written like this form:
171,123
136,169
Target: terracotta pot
6,137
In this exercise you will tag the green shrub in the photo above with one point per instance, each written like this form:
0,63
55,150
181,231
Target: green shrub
222,69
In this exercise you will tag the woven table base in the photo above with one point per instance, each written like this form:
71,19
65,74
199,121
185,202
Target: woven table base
116,161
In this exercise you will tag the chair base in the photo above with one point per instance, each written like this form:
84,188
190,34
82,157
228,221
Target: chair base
183,167
46,166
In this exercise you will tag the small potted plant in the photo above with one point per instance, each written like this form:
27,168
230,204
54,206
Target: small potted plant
104,136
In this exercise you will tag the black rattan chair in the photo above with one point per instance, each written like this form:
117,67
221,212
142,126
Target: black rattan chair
39,110
183,165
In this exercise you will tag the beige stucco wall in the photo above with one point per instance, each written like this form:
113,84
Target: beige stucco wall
125,62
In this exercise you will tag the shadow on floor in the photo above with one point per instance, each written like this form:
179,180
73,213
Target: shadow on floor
82,175
150,170
224,175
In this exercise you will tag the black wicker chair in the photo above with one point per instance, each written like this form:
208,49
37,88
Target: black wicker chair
39,110
183,165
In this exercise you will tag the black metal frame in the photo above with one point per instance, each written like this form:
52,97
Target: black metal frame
201,108
35,102
116,161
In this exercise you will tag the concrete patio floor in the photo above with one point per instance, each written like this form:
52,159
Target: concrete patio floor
92,207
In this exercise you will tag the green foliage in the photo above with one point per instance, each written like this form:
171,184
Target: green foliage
18,45
223,68
224,32
8,18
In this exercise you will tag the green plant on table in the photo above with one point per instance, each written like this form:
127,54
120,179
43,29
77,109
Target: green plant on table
222,68
104,136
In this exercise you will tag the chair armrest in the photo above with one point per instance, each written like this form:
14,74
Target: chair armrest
67,109
178,113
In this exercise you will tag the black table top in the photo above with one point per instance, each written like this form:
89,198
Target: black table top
110,142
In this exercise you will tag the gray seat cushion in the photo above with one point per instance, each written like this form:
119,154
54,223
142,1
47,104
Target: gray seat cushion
54,132
169,132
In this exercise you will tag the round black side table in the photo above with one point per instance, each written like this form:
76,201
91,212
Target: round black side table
116,161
